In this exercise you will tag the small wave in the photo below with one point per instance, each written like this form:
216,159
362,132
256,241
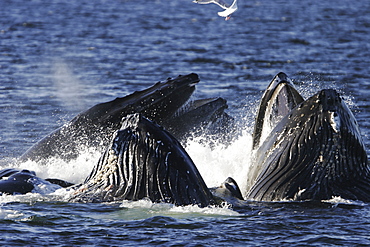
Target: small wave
26,198
43,193
339,201
150,209
223,210
7,214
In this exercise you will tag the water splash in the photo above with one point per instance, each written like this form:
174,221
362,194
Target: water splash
216,163
74,171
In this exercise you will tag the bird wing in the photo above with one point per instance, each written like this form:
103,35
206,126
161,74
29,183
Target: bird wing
220,3
228,11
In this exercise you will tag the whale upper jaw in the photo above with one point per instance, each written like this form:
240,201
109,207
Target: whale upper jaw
278,100
94,127
314,152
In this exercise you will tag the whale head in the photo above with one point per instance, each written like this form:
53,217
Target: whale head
144,161
94,127
315,152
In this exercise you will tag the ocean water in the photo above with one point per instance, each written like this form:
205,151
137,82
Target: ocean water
58,58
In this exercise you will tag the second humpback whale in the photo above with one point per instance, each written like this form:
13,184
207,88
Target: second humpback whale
164,102
304,150
313,149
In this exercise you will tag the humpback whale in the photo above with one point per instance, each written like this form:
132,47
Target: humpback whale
303,149
94,127
162,103
313,151
13,181
144,161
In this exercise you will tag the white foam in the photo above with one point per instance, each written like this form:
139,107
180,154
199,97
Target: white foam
337,200
74,171
217,163
145,208
6,214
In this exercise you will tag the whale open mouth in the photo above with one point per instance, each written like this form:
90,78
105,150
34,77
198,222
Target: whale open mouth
313,153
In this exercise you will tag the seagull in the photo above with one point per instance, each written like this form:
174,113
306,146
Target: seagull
229,9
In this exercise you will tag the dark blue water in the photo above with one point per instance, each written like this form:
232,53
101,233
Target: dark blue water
58,58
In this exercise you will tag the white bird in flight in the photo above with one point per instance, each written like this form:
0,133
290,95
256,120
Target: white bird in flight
229,9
